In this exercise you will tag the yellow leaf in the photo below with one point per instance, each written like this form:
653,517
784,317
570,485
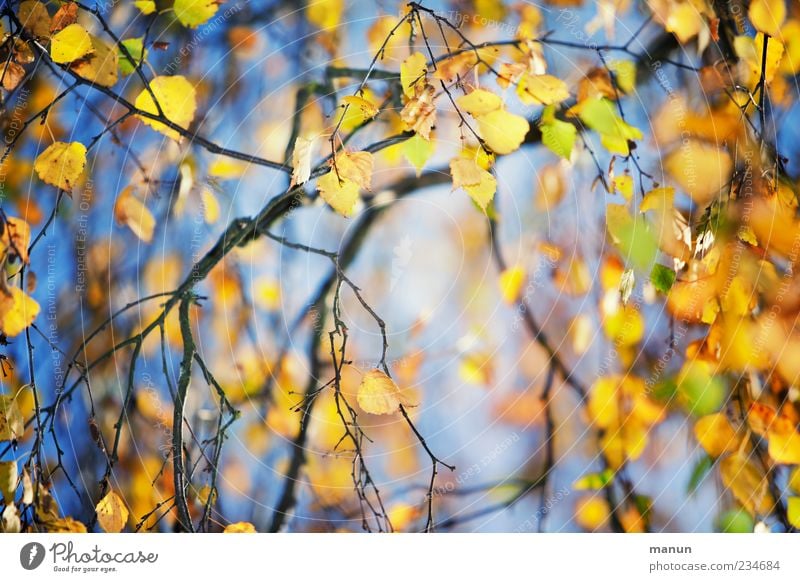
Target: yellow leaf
479,102
623,185
366,109
477,182
684,21
784,442
511,282
177,98
112,515
145,6
700,169
767,16
542,90
12,424
794,480
747,483
716,435
502,131
70,44
240,527
131,212
193,13
227,168
592,512
378,394
412,71
9,475
325,14
64,525
340,193
101,67
604,402
751,52
211,208
17,311
793,511
61,164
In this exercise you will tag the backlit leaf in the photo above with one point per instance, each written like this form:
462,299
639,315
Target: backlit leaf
177,98
70,44
61,164
112,515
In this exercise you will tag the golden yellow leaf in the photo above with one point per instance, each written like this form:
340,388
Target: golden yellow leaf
378,394
61,164
604,407
227,168
747,483
340,193
365,108
511,283
793,511
716,435
210,204
12,423
542,90
9,475
102,66
240,527
592,512
70,44
477,182
794,480
412,71
112,515
784,441
356,166
145,6
700,169
131,212
767,16
479,102
17,311
178,102
502,131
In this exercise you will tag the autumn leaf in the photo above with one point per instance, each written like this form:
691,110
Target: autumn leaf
240,527
716,435
378,394
17,311
301,159
341,187
193,13
9,476
176,96
112,515
746,482
34,18
418,150
477,182
366,109
145,6
412,72
102,66
542,90
131,212
12,423
512,280
767,16
419,113
61,164
70,44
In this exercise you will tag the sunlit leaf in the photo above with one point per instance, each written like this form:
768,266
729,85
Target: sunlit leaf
193,13
70,44
61,164
112,514
176,96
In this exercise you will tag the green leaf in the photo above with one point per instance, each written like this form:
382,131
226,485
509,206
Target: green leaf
699,473
662,278
735,521
418,150
632,236
193,13
594,481
136,49
559,137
